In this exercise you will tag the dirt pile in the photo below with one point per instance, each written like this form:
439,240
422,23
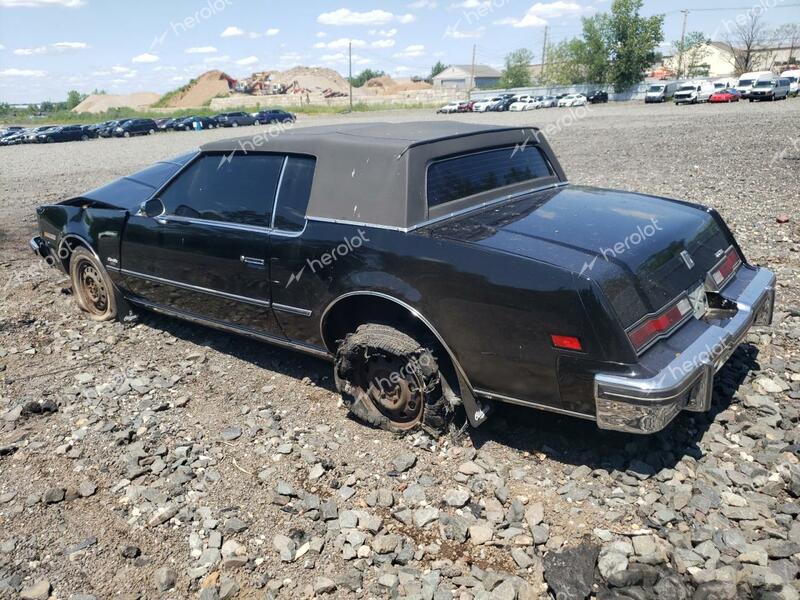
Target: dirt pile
387,85
97,103
209,85
297,80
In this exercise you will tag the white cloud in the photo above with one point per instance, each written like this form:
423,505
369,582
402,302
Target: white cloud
70,45
461,34
31,51
539,14
388,43
41,3
340,44
345,16
383,32
2,47
250,60
201,50
22,73
272,31
145,58
413,51
231,32
429,4
120,69
57,47
321,34
341,57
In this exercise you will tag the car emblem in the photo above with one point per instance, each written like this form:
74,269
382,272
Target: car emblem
687,258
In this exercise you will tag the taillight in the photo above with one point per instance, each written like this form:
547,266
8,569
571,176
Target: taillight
661,324
725,268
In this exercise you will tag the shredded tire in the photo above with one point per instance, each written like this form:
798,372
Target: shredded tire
374,340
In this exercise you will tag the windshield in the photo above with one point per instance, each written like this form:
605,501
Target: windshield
719,86
762,84
745,82
687,88
656,88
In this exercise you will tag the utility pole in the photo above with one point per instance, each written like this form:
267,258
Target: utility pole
683,41
350,71
472,83
544,53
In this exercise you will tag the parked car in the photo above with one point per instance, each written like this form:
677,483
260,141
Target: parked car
110,127
724,84
65,133
449,108
502,105
693,92
14,137
729,95
660,92
90,132
793,75
133,127
547,102
406,274
195,123
774,88
524,103
748,80
274,115
484,104
597,97
572,100
234,119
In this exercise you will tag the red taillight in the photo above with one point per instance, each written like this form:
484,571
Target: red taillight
726,267
643,334
567,342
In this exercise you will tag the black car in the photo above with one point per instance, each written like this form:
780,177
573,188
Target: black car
436,264
597,97
133,127
195,122
14,137
66,133
502,105
234,119
108,128
274,115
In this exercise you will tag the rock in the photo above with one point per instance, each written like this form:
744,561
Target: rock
611,561
39,590
425,515
570,573
470,468
234,525
480,534
782,218
534,515
404,461
285,547
456,498
162,515
129,551
86,489
54,495
323,585
165,579
230,434
228,588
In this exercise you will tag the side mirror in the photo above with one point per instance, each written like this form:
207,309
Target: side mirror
152,208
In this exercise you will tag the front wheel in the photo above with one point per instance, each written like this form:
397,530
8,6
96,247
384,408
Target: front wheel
151,132
389,380
235,124
94,291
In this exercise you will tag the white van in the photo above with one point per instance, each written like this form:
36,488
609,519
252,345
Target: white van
748,80
793,76
724,84
660,92
693,92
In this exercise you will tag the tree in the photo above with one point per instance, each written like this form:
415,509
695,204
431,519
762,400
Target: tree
365,75
517,72
690,53
563,64
593,51
73,99
632,41
746,36
788,36
436,69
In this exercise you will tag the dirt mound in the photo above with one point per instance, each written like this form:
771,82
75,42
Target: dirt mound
209,85
97,103
310,79
387,85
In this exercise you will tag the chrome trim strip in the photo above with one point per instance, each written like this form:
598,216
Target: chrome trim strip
196,288
291,309
409,308
212,223
308,349
536,405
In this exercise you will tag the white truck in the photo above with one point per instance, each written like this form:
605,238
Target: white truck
748,80
692,92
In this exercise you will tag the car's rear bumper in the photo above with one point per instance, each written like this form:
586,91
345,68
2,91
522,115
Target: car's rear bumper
647,405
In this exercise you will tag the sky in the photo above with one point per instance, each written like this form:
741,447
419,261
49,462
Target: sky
48,47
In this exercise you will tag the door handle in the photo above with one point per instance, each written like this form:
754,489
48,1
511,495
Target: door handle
259,262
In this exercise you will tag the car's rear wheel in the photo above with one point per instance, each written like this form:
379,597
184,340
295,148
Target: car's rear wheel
151,132
389,380
84,137
234,124
94,291
127,134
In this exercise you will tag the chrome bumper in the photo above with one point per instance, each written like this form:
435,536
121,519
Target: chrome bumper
686,383
39,247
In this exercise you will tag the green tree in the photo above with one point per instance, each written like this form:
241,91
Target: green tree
73,99
517,71
563,64
436,69
365,75
632,41
593,51
690,54
47,107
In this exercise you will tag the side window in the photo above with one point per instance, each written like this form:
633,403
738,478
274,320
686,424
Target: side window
236,190
292,202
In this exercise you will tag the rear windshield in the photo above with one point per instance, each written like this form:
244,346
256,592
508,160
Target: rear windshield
466,175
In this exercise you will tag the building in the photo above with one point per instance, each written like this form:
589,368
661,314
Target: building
460,76
718,61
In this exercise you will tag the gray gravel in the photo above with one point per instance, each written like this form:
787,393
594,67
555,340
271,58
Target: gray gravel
160,459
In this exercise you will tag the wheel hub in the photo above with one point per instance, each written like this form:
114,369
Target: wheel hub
395,390
94,288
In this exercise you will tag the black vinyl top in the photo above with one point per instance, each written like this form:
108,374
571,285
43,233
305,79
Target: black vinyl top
374,173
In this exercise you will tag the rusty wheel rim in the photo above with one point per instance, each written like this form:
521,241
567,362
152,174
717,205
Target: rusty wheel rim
395,390
93,288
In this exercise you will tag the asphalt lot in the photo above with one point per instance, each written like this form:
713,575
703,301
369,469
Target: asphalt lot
148,414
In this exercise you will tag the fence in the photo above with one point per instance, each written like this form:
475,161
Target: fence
636,92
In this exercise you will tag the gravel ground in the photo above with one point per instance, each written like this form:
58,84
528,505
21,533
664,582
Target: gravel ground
160,459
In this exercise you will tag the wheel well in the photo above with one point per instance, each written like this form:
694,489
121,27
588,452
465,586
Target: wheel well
350,312
71,242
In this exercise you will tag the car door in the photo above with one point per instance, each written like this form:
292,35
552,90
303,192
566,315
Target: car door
206,256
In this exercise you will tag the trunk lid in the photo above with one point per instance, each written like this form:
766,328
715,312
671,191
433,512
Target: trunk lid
642,251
